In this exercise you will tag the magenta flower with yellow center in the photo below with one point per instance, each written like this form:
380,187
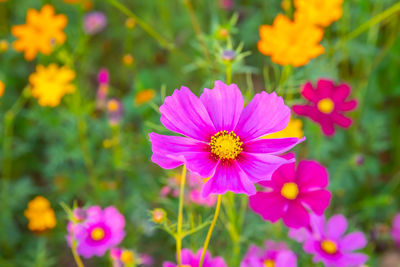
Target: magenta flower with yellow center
222,138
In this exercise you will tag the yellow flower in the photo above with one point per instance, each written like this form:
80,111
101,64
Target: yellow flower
40,215
127,59
290,42
43,29
2,87
50,84
319,12
293,129
130,23
3,45
127,257
144,96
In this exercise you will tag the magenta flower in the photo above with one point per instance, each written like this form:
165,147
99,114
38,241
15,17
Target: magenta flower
100,231
396,229
222,138
292,192
326,106
94,22
329,244
190,259
273,255
103,77
102,91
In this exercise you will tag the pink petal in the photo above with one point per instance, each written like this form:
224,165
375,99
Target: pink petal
327,127
311,175
271,146
172,151
260,166
169,264
353,259
318,200
284,174
325,88
336,226
309,93
296,215
341,92
269,205
265,114
347,106
286,259
341,120
184,113
304,110
228,176
353,241
224,105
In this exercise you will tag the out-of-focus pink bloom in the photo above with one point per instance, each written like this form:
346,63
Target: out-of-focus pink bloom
189,259
226,4
195,184
99,232
292,193
115,111
329,244
146,260
396,229
273,255
327,105
103,77
94,22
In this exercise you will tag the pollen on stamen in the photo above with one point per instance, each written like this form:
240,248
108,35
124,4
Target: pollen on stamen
225,145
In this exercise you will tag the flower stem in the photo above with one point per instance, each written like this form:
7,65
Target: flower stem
77,259
210,230
179,235
146,27
228,73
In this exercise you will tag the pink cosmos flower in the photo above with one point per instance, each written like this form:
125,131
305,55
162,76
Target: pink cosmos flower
326,106
103,77
222,138
102,91
274,255
94,22
292,192
190,259
100,231
396,229
329,244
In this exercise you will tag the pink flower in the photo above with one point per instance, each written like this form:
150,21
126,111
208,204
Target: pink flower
292,192
195,184
103,77
274,255
396,229
102,91
100,231
222,138
146,260
115,111
329,244
190,259
326,106
94,22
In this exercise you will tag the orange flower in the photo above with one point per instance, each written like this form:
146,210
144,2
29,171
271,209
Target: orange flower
43,29
290,42
319,12
40,214
144,96
2,87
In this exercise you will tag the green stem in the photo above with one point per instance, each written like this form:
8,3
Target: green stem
77,259
146,27
370,23
210,230
179,234
9,118
228,72
85,150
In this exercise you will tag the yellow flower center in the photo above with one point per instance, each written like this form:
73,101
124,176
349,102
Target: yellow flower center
127,257
97,234
269,263
326,105
329,246
112,105
226,145
185,265
290,191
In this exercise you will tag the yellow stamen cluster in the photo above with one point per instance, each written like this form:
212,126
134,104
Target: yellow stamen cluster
225,145
329,246
97,234
269,263
326,105
290,191
112,105
127,257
